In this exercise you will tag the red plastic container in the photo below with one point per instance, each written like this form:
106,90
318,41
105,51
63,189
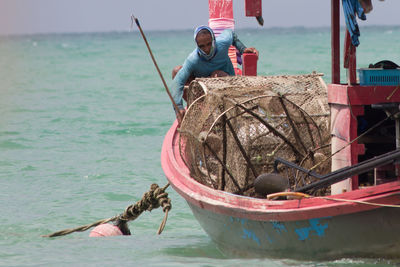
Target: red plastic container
250,64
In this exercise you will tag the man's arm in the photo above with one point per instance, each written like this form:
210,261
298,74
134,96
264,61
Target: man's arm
179,82
241,47
237,43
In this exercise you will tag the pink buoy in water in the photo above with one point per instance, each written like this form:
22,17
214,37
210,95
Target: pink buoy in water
105,230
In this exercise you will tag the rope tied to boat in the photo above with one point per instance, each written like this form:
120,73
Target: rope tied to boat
299,196
154,198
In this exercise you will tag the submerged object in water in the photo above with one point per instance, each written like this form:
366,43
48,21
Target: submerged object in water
105,229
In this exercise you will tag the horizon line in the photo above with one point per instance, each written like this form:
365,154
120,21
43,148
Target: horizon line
188,29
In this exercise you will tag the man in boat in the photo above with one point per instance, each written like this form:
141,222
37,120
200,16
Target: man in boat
209,59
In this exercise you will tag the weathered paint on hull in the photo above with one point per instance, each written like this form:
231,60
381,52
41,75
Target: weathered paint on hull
311,228
365,234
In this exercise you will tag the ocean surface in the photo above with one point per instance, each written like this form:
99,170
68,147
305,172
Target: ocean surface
82,121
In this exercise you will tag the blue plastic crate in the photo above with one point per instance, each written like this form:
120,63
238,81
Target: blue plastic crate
379,76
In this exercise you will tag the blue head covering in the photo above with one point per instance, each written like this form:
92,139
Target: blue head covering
213,46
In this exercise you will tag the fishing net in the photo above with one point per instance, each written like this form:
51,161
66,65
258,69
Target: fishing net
234,128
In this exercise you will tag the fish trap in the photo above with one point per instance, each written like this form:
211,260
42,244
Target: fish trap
234,128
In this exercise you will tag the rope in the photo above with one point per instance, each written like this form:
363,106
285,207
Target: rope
302,195
361,202
355,139
154,198
392,93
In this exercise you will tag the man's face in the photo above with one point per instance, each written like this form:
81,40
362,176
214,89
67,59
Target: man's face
204,42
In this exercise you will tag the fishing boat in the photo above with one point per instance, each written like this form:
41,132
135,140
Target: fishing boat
358,213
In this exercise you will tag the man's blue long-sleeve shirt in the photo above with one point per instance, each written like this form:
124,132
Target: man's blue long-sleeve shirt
199,67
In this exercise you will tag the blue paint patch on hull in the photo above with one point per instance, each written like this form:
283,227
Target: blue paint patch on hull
251,235
315,229
279,227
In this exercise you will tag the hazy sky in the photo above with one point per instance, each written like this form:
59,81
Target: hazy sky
48,16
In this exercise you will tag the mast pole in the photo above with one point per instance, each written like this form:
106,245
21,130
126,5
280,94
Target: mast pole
335,40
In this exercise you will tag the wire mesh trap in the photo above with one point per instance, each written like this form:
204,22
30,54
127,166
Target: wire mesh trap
235,126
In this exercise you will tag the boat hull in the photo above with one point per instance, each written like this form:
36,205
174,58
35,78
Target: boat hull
359,223
365,234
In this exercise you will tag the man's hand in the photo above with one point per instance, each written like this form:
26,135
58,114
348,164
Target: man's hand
218,73
179,116
251,50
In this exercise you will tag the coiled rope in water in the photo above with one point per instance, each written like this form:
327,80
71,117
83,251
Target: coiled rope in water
154,198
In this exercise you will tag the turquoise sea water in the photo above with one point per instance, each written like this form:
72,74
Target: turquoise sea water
82,120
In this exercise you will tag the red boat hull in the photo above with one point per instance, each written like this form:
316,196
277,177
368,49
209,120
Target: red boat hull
306,228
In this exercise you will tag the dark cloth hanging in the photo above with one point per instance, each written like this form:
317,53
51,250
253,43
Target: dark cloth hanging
351,8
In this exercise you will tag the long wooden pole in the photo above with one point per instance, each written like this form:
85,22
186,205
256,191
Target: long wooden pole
155,64
335,41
